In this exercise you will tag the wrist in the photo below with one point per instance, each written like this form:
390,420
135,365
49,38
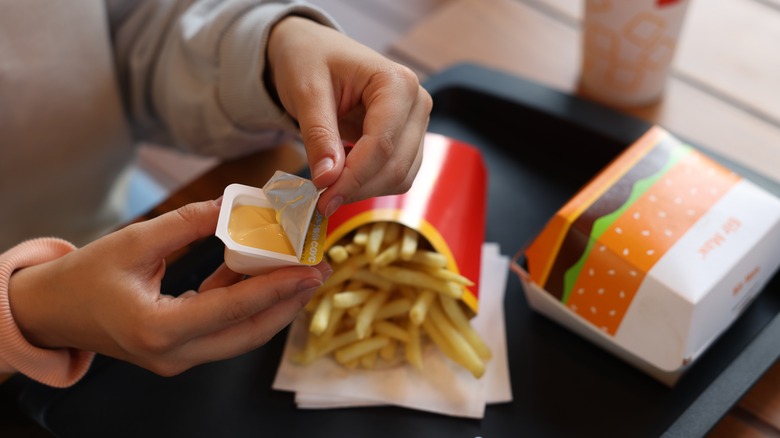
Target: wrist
29,308
273,49
54,367
282,40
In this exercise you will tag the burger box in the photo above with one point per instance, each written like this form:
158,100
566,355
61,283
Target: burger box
656,256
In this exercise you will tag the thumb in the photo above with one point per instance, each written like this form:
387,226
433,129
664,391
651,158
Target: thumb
176,229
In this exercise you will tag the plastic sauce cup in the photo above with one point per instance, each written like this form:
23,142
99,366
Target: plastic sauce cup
254,260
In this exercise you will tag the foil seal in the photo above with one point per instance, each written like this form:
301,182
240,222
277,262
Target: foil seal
294,199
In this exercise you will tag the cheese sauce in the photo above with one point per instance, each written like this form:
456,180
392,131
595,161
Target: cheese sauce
257,227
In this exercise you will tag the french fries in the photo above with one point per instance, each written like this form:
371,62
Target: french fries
388,296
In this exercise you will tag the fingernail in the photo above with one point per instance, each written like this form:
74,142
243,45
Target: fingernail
218,201
333,205
309,283
326,270
322,166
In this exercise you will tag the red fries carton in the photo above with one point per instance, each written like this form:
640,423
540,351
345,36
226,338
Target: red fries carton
656,256
446,205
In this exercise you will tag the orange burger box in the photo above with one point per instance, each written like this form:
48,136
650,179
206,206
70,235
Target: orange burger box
656,256
446,205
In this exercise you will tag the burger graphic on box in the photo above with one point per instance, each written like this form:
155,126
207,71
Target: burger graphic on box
656,256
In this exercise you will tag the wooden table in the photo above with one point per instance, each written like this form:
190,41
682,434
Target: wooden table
723,94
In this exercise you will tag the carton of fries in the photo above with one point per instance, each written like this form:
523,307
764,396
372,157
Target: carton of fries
406,269
656,256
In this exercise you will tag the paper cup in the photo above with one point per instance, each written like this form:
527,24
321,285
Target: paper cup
628,48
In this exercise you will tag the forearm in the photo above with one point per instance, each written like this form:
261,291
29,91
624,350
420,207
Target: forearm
55,367
194,71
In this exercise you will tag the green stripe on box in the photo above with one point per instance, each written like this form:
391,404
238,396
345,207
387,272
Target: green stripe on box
603,223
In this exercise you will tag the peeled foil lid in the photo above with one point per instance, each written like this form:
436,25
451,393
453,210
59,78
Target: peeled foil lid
294,199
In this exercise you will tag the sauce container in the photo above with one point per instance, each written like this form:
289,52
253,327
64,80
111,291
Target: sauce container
255,231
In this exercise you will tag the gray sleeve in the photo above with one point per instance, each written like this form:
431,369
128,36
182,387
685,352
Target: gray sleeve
191,72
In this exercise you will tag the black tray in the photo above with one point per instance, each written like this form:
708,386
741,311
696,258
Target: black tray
540,146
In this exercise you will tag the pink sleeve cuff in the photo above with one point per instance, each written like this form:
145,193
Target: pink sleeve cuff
54,367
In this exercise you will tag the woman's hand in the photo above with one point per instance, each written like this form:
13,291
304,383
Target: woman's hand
338,89
105,297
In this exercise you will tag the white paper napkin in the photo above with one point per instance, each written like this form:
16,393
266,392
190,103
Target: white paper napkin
442,386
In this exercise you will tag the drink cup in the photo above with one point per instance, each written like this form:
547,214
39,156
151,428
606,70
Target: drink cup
628,48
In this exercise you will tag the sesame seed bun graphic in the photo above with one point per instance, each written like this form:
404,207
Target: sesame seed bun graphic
595,252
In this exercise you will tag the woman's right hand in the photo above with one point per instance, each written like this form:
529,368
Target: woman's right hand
338,89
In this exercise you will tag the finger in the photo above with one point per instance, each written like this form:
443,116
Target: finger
165,234
378,166
243,336
214,309
316,112
399,176
324,268
221,277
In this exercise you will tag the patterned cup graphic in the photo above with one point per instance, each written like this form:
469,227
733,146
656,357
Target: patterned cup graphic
628,47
